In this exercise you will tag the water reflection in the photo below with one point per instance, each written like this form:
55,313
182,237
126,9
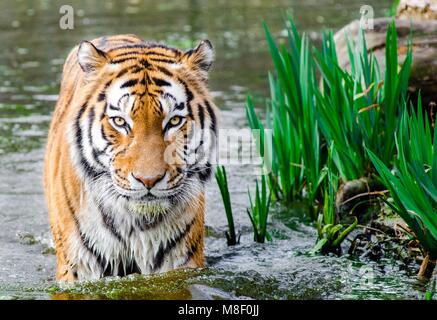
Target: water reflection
34,47
33,51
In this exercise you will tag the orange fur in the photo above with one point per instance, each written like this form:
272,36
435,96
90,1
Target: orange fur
140,152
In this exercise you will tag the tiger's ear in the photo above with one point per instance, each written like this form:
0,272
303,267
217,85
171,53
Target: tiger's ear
90,58
200,58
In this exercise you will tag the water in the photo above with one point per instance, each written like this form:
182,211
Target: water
33,51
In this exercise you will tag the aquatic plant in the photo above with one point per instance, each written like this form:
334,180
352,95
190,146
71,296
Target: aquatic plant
413,181
356,108
431,291
295,149
331,234
393,8
259,211
222,181
353,108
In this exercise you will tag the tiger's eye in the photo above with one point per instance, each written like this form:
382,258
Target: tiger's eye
119,121
175,121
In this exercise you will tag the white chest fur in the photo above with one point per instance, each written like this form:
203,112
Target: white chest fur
113,240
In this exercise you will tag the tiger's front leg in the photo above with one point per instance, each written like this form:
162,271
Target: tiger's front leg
64,269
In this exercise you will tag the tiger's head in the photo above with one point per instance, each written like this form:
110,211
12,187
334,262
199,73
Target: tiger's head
145,133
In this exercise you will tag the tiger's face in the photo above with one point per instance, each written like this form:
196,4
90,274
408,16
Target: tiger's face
148,133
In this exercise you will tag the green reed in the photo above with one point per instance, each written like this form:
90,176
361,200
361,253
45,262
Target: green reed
330,232
314,103
295,147
359,109
431,291
222,181
413,181
259,211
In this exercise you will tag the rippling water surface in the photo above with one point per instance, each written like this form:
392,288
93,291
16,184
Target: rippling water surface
31,58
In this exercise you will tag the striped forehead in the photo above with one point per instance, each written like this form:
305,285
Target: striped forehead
119,96
173,98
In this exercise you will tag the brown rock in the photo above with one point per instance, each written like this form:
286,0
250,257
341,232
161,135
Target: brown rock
424,40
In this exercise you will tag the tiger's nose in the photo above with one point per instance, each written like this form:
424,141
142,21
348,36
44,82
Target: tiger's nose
149,181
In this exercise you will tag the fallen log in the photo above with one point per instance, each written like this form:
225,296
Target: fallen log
424,45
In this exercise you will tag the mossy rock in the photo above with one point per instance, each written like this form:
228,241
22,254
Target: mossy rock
354,198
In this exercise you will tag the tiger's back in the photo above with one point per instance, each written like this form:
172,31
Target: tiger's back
116,204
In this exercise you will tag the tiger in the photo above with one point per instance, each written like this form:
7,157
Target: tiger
129,152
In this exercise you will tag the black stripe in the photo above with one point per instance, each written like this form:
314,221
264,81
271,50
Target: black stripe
174,177
68,200
73,216
162,60
129,83
196,151
108,84
122,73
189,111
157,45
188,92
189,52
148,45
136,69
156,53
127,53
122,60
121,152
201,115
169,245
95,152
132,268
161,82
145,63
192,249
144,223
98,153
205,173
105,268
191,173
179,106
156,93
108,221
132,69
139,52
212,116
190,97
91,116
86,166
121,98
104,136
164,71
131,46
83,238
112,107
101,96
